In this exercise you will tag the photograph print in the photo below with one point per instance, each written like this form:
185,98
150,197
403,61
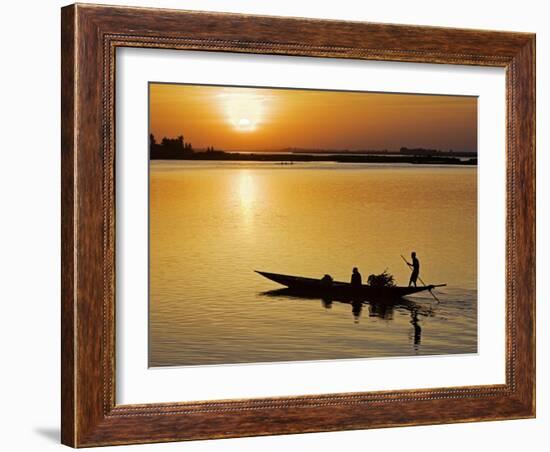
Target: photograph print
303,224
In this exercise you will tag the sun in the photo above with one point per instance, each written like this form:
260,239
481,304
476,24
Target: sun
245,109
244,125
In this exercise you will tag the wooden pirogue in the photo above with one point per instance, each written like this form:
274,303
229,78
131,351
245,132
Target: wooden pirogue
337,290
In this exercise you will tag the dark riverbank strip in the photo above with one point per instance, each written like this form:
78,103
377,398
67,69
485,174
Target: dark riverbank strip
340,158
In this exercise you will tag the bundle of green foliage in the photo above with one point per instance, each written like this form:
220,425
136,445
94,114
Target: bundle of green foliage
384,279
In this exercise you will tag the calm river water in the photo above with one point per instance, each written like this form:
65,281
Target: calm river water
213,223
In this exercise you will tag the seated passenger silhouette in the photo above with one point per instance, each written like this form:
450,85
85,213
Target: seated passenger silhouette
356,280
326,281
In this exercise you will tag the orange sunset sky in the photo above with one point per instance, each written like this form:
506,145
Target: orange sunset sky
234,118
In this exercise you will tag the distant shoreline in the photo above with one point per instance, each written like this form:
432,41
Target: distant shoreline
338,158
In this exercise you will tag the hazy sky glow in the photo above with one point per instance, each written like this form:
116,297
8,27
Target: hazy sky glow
231,118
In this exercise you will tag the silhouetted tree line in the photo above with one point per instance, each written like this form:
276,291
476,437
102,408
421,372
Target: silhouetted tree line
170,148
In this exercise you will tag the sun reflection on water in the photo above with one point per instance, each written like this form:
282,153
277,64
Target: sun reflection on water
247,194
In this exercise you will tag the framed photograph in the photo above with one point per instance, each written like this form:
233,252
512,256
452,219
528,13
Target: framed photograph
282,225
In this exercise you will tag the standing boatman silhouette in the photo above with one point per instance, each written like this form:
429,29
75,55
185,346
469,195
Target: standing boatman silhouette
415,269
415,274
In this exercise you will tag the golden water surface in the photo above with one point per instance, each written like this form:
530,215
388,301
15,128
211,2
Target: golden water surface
213,223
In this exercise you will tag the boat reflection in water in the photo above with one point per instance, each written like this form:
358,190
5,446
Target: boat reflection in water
380,308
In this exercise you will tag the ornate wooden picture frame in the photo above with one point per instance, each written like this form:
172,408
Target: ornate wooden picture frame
90,37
